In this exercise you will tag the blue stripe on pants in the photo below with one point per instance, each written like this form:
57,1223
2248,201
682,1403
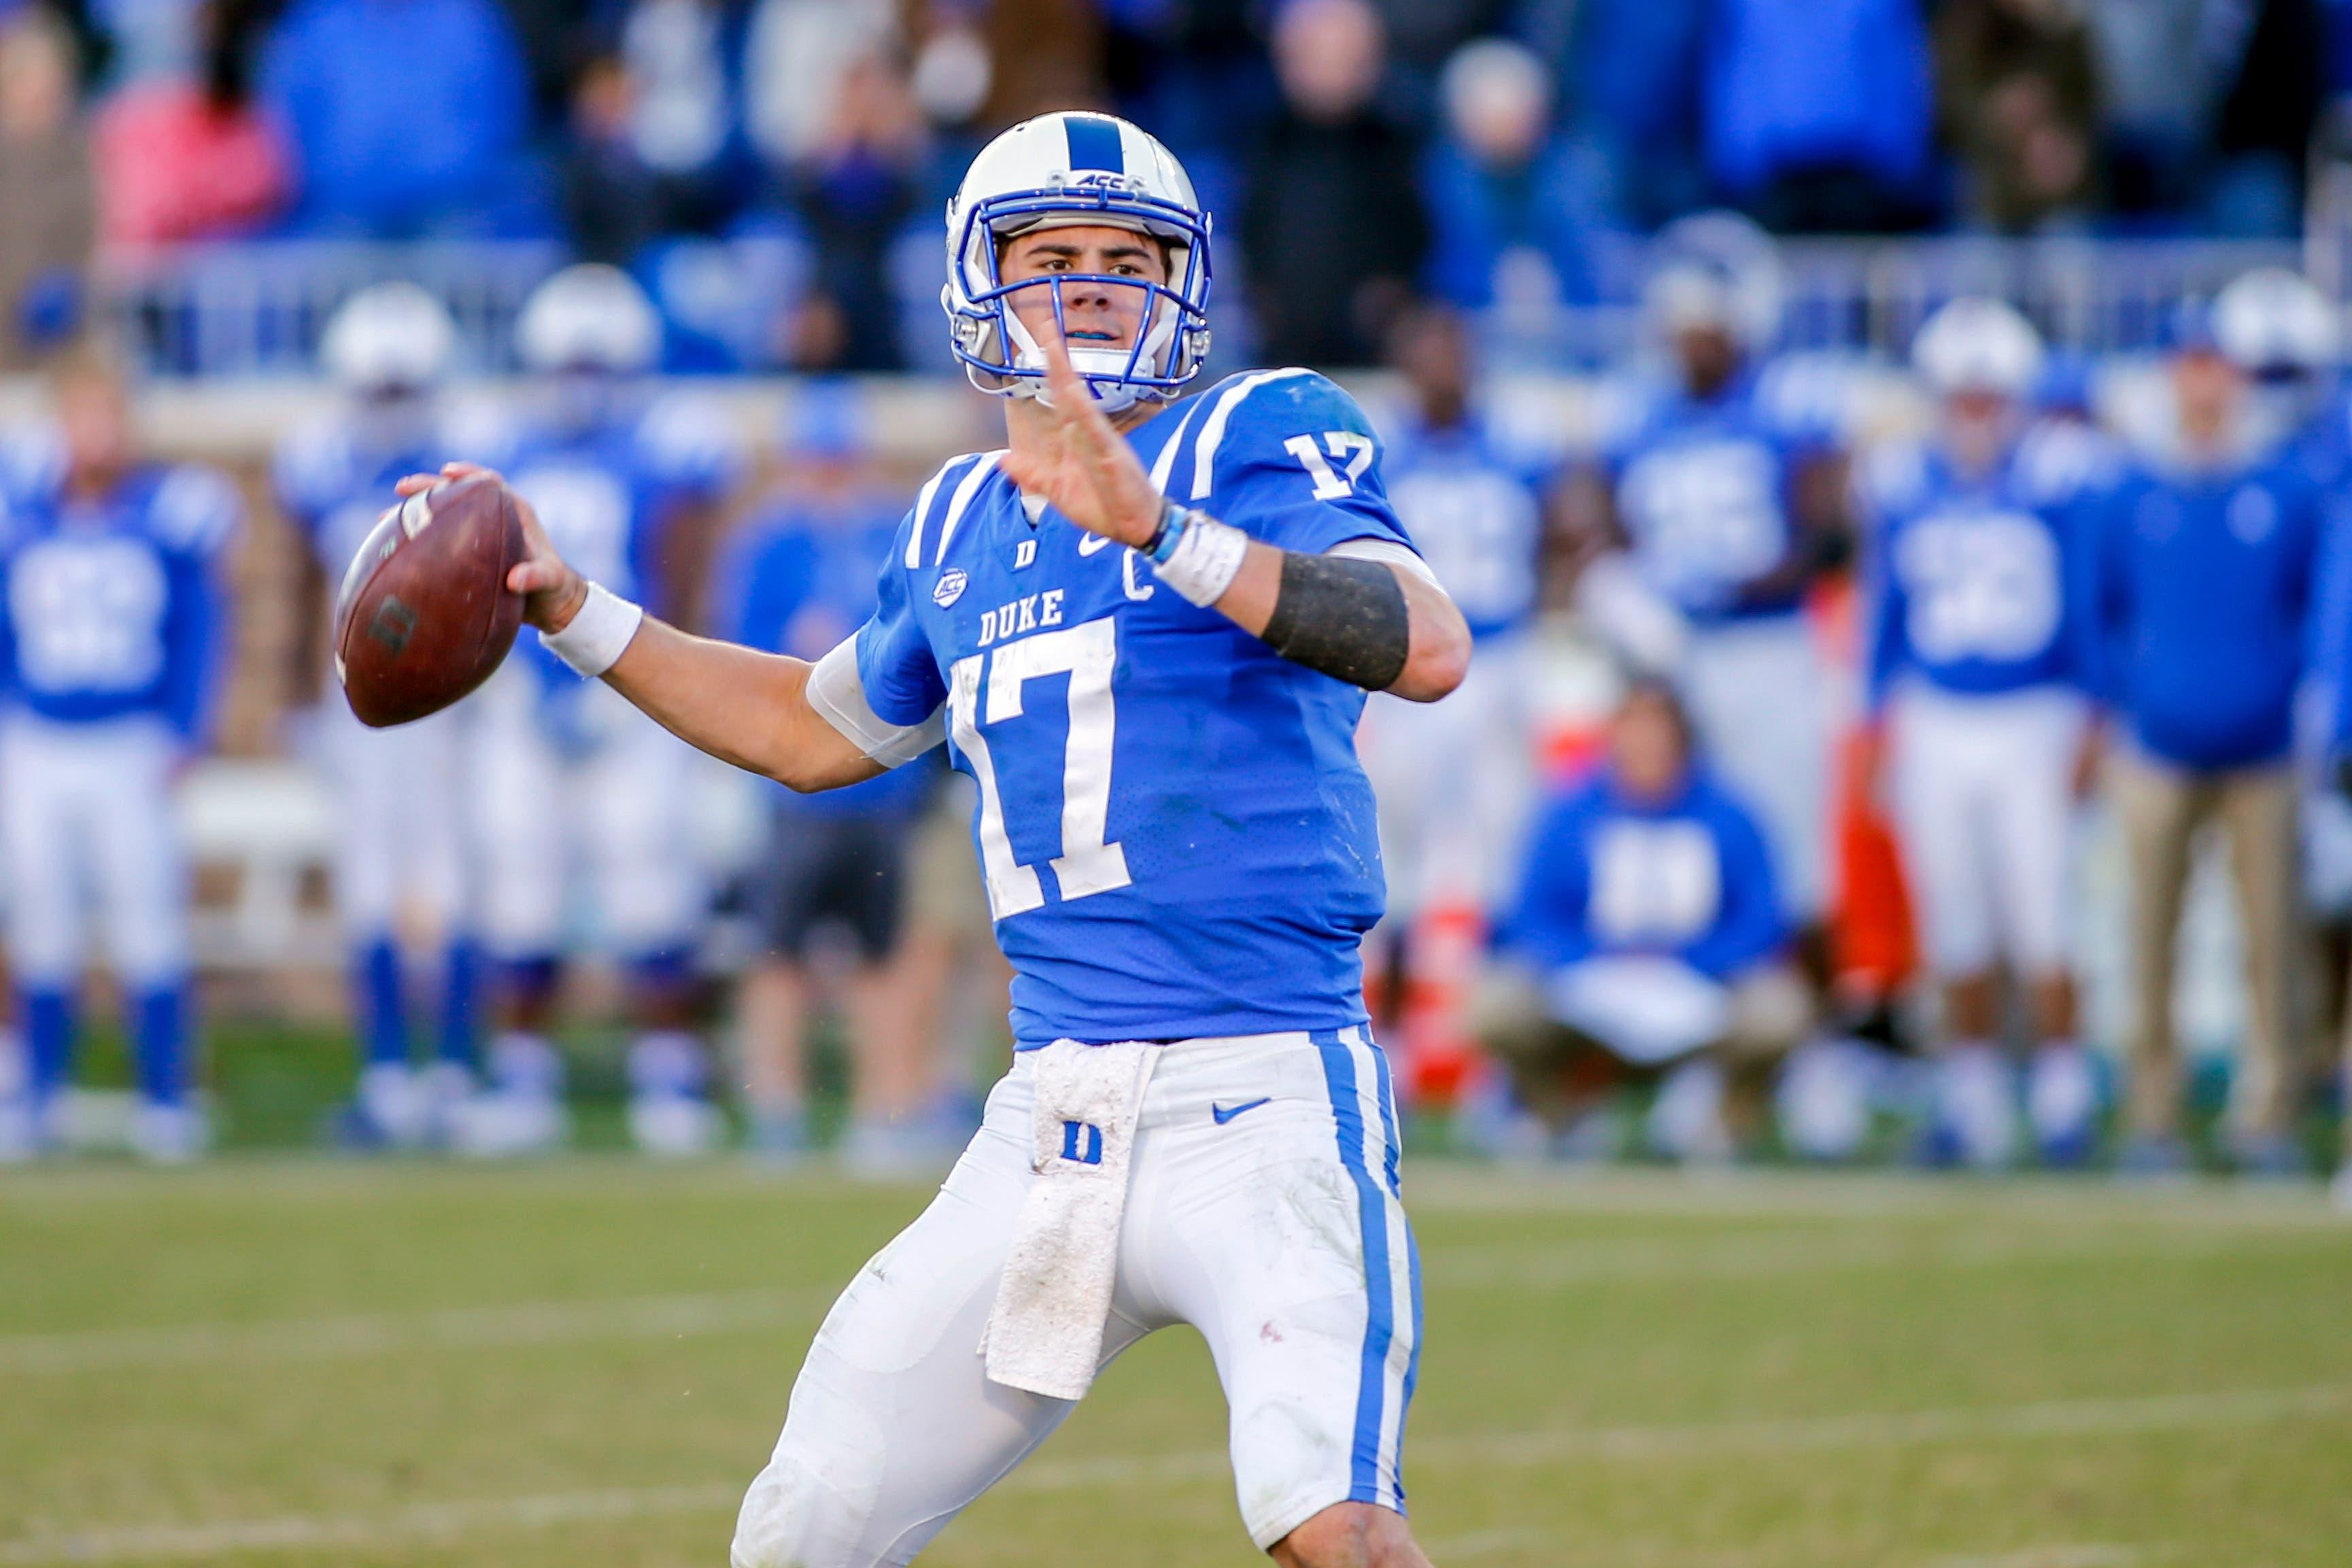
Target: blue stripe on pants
1379,1315
1411,1248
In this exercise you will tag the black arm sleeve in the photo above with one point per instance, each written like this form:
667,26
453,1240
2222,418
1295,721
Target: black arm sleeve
1345,618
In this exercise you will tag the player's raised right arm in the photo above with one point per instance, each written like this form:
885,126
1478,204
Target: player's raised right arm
743,707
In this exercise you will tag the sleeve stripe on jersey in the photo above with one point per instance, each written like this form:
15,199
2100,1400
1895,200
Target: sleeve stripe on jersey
1213,429
838,694
1163,467
972,480
1388,552
923,509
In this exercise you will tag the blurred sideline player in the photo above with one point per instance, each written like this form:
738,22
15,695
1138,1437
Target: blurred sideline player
578,793
798,580
401,805
1146,632
1453,777
1979,656
111,628
1731,508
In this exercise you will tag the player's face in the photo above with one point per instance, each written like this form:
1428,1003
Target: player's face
1709,358
1646,746
2206,387
96,420
1094,314
1976,426
1434,352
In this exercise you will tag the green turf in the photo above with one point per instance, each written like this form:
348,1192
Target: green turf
307,1361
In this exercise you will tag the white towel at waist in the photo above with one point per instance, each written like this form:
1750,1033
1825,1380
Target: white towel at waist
1045,1332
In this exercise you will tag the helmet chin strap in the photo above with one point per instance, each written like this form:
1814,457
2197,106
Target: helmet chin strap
1103,370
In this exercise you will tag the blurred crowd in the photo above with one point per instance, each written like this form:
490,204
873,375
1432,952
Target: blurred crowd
1757,830
1361,151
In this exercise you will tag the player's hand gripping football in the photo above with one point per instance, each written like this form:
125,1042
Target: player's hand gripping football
551,591
1078,461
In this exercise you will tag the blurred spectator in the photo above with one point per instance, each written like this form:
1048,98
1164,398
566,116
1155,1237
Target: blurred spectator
1631,76
799,580
181,159
1817,112
1422,36
1647,932
2019,90
796,59
2210,104
2203,573
1332,228
611,205
683,60
1502,182
408,116
852,194
46,188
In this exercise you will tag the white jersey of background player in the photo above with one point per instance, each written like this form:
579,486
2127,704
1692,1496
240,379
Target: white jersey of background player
1731,506
1453,776
401,812
579,792
111,622
1979,655
1158,707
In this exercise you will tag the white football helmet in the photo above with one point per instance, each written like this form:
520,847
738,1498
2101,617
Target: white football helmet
388,338
1717,270
1979,344
589,317
2274,322
1063,170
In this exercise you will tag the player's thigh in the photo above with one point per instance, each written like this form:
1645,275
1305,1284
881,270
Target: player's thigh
1937,785
635,798
1759,694
893,1426
522,804
141,874
43,826
1280,1236
365,766
2032,848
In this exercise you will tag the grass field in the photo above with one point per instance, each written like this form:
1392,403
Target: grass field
297,1361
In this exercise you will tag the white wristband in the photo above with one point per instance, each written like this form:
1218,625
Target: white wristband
1206,560
598,634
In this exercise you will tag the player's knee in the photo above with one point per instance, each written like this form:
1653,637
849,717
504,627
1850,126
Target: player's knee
1350,1535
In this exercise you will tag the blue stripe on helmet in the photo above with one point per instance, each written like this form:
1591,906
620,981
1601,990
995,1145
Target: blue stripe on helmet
1094,142
1379,1315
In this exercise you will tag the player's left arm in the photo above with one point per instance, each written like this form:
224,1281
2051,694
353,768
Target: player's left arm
1380,624
198,515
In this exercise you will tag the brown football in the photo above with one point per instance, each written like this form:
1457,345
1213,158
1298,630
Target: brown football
424,614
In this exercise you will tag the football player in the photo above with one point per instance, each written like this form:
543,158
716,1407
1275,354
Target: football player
1979,657
1731,507
110,629
1145,628
401,804
572,780
1453,777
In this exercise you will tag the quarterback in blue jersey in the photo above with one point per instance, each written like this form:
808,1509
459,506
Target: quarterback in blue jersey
1146,629
110,629
401,794
1981,648
570,778
1731,507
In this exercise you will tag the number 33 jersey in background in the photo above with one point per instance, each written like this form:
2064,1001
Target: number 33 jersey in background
1176,836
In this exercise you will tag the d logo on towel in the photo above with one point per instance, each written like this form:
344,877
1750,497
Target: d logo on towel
1081,1143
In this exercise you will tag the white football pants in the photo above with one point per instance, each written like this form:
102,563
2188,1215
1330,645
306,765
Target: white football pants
1262,1209
1983,790
611,812
85,816
1760,694
402,842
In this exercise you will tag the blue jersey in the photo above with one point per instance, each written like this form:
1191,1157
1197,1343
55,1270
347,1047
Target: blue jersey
1175,834
1979,585
1704,491
108,608
2202,588
1610,876
799,579
1476,518
604,493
